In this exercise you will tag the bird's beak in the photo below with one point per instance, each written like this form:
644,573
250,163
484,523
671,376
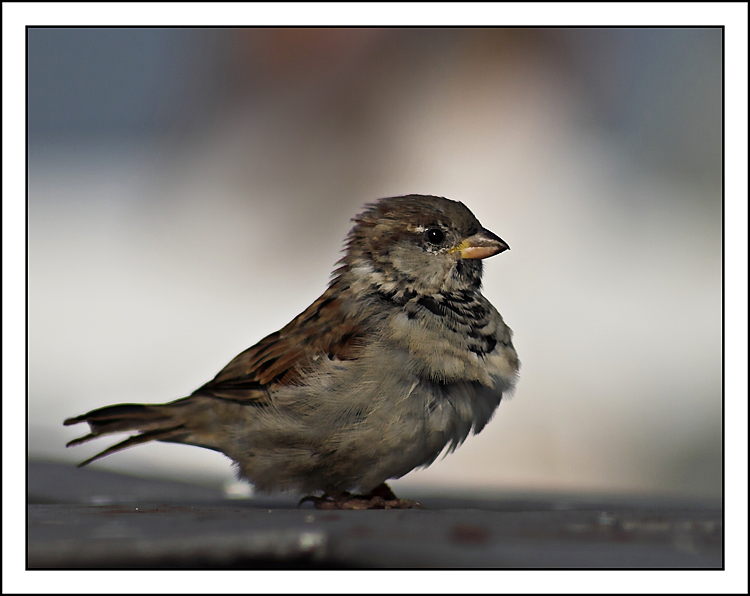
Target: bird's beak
481,245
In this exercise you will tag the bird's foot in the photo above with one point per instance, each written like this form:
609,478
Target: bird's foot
381,497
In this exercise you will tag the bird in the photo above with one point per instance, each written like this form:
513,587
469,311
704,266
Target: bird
399,360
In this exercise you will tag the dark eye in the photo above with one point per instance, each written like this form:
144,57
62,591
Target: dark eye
434,236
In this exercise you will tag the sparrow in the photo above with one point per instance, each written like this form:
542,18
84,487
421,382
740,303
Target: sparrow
401,358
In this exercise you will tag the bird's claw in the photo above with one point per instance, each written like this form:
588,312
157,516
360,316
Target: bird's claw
380,498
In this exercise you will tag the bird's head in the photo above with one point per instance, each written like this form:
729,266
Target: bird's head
420,243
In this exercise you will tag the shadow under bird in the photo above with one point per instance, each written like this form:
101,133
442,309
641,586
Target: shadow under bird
401,357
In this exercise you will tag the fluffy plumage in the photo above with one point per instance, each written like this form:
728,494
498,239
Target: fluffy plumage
401,357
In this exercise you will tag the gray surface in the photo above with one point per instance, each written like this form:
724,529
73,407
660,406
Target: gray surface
90,519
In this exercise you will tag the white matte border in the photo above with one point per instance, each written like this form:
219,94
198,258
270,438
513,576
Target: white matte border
16,16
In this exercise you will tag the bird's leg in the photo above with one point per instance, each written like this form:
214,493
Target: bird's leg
381,497
383,494
325,501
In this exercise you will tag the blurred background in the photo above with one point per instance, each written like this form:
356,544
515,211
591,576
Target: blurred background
189,190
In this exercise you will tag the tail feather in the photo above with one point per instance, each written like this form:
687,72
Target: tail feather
154,435
166,422
119,418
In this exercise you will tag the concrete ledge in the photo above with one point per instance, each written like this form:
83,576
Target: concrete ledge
196,528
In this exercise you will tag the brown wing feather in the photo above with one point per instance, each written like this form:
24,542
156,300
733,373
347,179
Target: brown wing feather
279,358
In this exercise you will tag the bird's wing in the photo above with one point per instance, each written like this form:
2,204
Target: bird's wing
281,358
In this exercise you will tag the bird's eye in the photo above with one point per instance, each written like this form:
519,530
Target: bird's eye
434,236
